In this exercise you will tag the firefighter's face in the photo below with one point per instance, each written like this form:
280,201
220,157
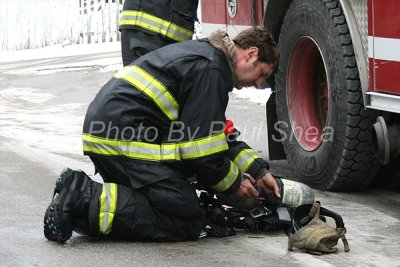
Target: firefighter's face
249,71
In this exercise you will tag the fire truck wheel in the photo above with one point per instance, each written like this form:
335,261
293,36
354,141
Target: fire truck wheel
325,130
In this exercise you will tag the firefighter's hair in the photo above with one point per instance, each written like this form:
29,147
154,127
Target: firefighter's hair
263,40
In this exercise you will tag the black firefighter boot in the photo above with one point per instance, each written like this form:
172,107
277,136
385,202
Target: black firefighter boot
69,208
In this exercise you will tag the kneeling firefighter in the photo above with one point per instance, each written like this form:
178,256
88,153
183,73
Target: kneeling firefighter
156,123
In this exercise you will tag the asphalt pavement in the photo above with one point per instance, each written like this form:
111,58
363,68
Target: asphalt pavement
42,106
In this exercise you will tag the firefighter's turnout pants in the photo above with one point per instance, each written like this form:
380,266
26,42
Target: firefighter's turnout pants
167,210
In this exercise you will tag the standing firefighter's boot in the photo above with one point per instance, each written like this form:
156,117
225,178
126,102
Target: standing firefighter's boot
69,208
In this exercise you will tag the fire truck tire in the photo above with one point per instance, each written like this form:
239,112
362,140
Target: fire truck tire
325,130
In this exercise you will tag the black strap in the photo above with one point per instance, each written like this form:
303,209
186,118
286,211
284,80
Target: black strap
302,216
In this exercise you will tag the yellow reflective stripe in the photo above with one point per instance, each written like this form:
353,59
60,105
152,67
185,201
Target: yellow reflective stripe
203,146
108,207
228,180
170,151
154,24
131,149
245,158
167,151
153,88
100,145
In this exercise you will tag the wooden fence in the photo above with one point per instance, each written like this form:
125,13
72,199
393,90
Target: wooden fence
26,24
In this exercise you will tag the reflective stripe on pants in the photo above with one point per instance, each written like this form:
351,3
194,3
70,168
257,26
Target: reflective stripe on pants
108,206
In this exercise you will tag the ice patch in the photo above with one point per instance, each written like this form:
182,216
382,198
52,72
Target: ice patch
26,117
24,96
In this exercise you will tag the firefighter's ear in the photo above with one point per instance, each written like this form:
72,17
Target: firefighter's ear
253,54
253,51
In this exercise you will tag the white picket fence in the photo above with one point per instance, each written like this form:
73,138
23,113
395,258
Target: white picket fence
26,24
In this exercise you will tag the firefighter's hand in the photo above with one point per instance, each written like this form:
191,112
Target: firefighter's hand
269,184
246,188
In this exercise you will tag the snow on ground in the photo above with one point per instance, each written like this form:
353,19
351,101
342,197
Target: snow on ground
252,94
58,51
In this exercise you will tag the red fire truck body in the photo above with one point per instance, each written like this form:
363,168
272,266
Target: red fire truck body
337,90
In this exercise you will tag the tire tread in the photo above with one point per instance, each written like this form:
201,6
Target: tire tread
357,165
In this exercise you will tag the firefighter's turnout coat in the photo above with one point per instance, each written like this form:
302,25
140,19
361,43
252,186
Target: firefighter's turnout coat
168,108
172,19
157,122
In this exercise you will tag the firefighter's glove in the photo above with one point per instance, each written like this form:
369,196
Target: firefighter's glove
314,235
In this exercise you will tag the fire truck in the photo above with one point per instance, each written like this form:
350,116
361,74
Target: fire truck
334,113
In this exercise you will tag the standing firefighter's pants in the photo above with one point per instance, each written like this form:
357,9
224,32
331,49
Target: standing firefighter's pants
136,43
167,210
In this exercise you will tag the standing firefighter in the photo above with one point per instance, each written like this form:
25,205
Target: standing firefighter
156,123
151,24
